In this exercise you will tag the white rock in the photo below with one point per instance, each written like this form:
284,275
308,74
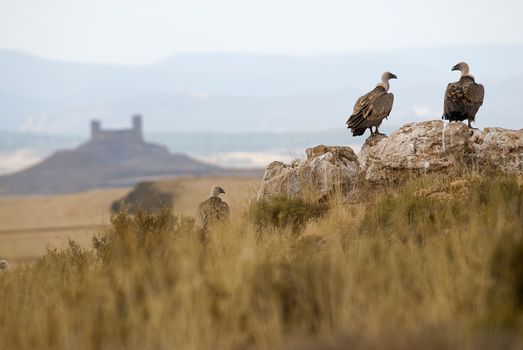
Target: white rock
500,149
415,149
418,148
326,169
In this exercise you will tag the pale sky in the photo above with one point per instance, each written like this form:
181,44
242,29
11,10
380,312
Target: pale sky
146,31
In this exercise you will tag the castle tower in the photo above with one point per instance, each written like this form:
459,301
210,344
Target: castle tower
96,128
137,126
122,136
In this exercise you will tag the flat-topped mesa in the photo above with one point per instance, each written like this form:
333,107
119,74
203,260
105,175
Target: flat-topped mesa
120,144
133,135
111,158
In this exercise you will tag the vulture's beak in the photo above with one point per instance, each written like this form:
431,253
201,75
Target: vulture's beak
393,76
456,67
222,191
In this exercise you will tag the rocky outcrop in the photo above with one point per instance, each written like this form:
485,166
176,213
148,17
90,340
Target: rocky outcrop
439,147
419,148
498,148
363,155
413,150
327,168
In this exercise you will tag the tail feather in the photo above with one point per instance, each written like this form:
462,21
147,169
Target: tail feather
455,116
354,121
357,125
358,131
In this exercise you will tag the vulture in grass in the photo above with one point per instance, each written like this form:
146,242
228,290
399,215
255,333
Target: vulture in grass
212,209
4,266
371,108
464,97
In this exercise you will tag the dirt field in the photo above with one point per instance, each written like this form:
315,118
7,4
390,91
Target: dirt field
189,192
29,225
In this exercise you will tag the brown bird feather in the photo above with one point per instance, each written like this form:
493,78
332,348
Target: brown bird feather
463,98
370,110
211,210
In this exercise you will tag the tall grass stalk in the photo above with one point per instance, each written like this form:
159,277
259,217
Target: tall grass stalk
433,264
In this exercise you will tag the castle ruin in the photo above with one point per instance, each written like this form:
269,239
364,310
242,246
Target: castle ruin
120,135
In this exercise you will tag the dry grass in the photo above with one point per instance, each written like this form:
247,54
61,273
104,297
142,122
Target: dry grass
20,247
30,224
189,192
414,268
64,210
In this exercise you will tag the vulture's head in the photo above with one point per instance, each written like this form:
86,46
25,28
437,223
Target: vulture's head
463,67
216,191
388,76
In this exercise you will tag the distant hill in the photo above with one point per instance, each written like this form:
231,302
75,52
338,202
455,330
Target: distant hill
250,93
111,158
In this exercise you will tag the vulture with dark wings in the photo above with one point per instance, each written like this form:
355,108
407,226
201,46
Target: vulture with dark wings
371,108
464,97
212,209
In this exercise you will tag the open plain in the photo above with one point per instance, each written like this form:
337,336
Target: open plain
31,224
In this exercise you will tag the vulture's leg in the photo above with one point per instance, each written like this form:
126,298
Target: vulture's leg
371,132
470,126
377,131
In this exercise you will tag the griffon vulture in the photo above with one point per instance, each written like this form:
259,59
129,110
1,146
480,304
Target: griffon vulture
371,108
212,209
464,97
4,266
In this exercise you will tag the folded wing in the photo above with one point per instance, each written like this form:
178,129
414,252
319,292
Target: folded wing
370,110
463,100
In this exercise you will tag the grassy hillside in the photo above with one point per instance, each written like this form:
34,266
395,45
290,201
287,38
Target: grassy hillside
435,264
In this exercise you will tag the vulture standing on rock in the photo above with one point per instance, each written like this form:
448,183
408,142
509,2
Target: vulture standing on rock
212,209
371,108
464,97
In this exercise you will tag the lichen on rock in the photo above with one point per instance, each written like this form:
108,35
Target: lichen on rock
415,149
326,169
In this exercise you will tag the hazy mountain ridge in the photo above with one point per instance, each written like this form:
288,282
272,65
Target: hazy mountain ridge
246,93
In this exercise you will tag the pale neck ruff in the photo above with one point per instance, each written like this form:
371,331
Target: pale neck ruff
384,84
465,71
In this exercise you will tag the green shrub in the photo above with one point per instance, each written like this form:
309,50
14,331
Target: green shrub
413,213
410,216
144,232
143,197
282,212
72,260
